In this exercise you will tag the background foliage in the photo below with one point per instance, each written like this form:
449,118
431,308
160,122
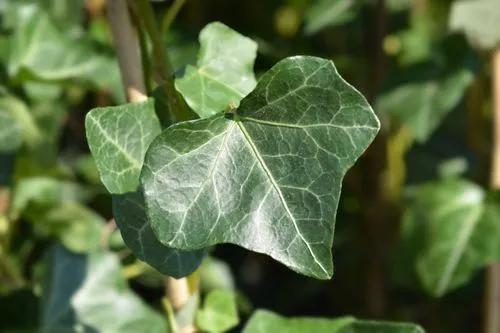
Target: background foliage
416,222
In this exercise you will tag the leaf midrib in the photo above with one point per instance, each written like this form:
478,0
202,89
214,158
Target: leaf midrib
264,167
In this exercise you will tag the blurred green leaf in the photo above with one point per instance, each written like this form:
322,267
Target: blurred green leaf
219,313
77,227
11,130
21,119
453,232
264,321
266,177
216,274
224,72
421,106
89,294
329,13
479,20
44,193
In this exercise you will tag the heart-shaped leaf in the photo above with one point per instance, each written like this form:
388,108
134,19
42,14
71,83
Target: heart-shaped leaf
118,138
224,72
266,176
219,312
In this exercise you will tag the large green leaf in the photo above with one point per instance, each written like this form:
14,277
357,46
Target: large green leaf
452,231
219,312
224,73
422,106
265,321
479,20
118,138
89,294
267,175
329,13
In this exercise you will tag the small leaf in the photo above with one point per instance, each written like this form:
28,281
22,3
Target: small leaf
454,232
269,178
479,20
329,13
422,106
224,72
264,321
88,293
118,138
219,313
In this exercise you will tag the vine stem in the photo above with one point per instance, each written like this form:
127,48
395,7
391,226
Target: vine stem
171,14
177,106
127,49
492,297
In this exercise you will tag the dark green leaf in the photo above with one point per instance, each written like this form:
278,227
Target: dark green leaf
118,138
266,177
224,72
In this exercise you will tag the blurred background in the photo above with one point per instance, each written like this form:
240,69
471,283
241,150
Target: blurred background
428,83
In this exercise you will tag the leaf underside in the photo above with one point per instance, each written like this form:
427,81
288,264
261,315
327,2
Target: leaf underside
267,177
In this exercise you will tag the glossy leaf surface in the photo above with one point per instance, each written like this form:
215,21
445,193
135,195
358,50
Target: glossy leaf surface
224,72
266,176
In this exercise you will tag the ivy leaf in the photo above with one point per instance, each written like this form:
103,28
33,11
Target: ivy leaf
479,20
422,106
131,219
454,232
118,138
224,72
264,321
329,13
219,312
88,293
266,176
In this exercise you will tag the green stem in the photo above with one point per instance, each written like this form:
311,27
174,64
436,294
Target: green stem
177,106
171,14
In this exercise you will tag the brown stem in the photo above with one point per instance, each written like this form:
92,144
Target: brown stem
492,297
126,44
127,49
